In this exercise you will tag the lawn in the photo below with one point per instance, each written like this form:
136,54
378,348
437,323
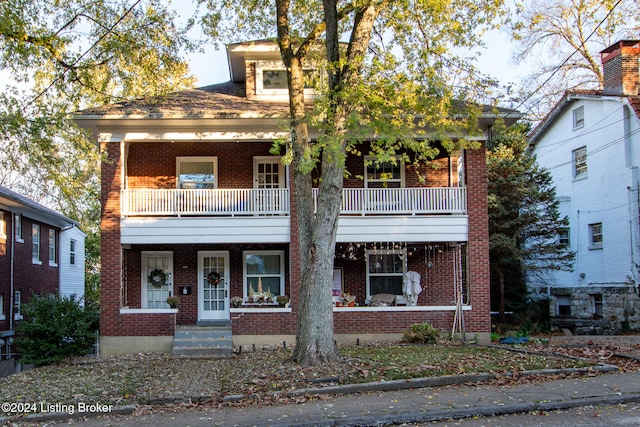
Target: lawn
139,378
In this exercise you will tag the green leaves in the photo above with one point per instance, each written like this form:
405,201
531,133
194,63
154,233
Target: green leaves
55,328
524,220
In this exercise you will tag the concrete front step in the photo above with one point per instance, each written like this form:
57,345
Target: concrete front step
202,341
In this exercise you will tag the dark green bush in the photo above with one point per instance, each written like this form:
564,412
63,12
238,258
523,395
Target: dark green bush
54,328
421,333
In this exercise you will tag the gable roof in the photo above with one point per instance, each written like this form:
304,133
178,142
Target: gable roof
568,98
13,201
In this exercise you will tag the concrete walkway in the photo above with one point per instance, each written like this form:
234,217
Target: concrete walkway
411,405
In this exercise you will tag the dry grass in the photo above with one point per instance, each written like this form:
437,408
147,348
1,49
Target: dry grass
140,378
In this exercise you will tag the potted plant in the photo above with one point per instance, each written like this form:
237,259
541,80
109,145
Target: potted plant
173,301
236,302
282,300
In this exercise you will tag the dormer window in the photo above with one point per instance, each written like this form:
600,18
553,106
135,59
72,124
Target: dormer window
271,80
274,79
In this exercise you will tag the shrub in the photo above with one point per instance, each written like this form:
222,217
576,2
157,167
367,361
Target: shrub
54,328
421,333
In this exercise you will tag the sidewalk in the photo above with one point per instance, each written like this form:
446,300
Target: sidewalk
411,405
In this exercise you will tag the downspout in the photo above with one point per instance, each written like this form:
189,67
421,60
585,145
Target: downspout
634,217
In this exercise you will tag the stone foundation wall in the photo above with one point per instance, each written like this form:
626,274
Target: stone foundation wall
599,310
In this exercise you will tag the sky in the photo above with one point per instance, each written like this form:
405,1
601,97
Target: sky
211,66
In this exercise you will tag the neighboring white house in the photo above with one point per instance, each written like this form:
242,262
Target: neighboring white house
72,262
590,144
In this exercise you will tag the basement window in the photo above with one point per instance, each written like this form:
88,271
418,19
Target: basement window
597,306
564,305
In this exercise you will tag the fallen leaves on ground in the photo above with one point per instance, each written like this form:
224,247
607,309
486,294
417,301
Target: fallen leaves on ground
265,375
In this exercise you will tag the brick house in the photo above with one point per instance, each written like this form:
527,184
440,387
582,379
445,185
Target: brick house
589,143
41,252
195,205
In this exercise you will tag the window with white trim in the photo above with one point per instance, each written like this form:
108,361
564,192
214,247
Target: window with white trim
271,79
53,247
3,226
72,252
563,237
35,244
595,236
384,174
197,172
385,271
17,221
578,117
579,162
263,271
17,304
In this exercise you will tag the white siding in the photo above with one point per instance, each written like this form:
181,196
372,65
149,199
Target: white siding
258,229
433,228
607,194
72,276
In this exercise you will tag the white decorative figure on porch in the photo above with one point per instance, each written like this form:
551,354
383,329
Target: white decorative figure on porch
411,287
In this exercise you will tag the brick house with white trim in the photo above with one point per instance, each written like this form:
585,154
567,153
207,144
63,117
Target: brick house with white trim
195,205
41,252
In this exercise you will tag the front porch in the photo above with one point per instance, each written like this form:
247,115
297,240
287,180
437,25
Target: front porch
361,270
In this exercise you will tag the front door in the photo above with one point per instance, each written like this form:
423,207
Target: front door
213,285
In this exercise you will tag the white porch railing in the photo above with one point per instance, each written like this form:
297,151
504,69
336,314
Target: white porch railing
406,201
214,202
231,202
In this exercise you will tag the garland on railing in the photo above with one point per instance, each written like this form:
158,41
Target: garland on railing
157,278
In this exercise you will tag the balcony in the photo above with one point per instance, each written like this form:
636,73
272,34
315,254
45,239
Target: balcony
229,216
266,202
209,202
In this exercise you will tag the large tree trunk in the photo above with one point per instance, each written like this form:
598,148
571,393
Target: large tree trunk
317,230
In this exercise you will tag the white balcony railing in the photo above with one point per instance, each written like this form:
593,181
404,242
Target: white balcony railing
407,201
208,202
232,202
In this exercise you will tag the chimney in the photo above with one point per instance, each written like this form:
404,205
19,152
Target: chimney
621,68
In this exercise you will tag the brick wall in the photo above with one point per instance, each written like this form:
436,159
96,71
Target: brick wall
435,174
185,269
236,171
154,165
479,320
436,281
37,278
29,278
620,70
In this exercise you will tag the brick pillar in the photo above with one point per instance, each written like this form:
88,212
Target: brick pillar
110,249
479,319
295,275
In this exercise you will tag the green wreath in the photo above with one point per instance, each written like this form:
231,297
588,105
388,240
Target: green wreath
214,278
157,278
